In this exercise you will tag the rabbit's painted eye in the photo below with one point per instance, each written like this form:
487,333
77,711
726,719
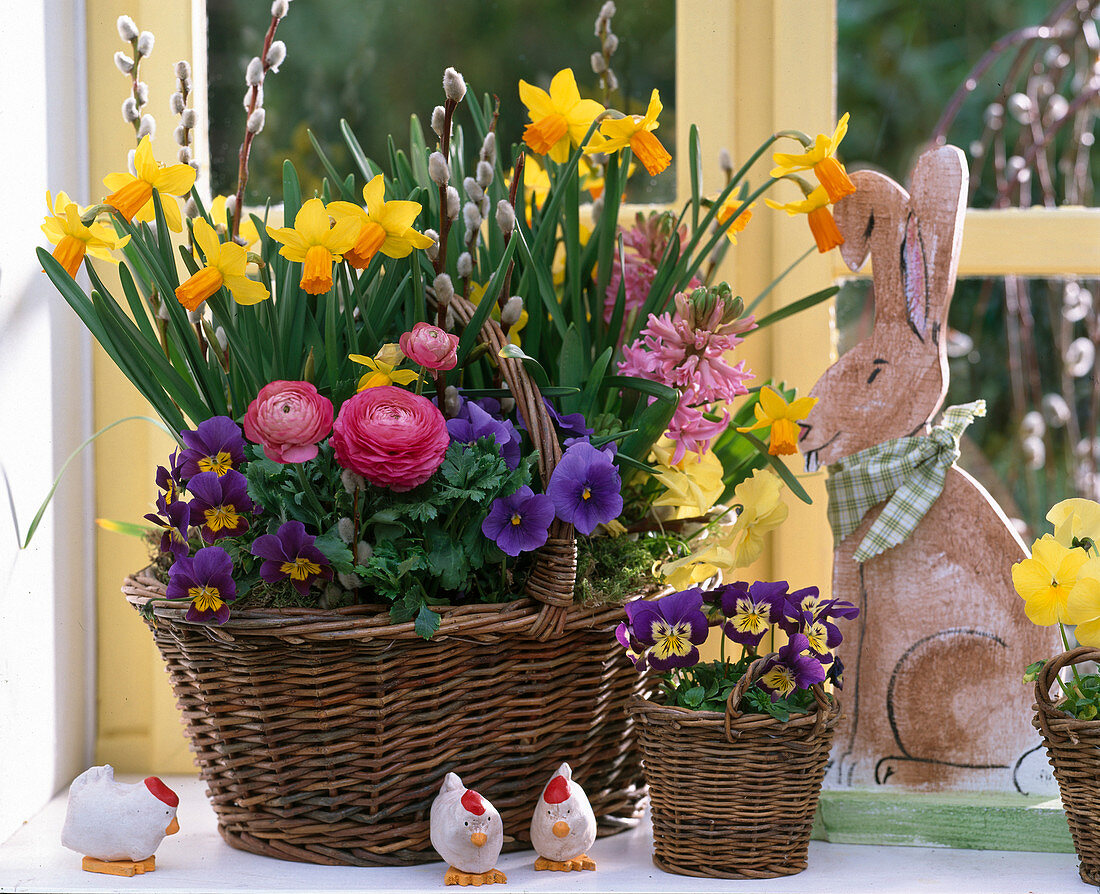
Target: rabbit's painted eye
879,363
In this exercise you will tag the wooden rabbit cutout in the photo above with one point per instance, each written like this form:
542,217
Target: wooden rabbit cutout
933,694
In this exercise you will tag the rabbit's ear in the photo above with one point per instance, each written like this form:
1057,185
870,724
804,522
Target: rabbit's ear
876,201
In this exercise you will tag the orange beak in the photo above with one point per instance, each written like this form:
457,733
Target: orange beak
173,827
560,829
478,839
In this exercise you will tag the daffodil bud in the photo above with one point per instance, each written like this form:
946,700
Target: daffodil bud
489,148
346,529
147,127
725,162
451,401
439,120
276,55
145,43
259,88
177,103
351,481
180,135
454,203
127,30
124,63
188,118
444,289
432,251
191,209
184,155
130,112
454,85
279,9
183,70
513,307
256,121
611,43
473,191
471,216
506,216
141,92
465,265
438,169
484,174
599,64
254,74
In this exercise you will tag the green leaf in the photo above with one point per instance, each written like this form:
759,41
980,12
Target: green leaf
130,529
333,175
796,306
358,155
427,622
693,698
780,467
335,550
515,352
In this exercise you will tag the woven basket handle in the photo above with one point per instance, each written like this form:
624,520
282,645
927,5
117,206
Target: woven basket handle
755,671
555,571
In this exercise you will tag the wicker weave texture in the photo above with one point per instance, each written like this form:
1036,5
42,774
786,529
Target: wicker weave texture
324,736
1073,747
733,806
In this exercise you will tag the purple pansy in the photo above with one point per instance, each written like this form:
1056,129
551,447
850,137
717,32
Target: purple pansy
220,504
519,522
572,423
635,651
585,488
290,553
751,610
170,479
175,517
217,445
474,422
669,628
835,672
206,579
790,669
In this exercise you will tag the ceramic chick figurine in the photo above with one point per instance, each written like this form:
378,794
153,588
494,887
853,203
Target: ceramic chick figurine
116,825
563,827
467,832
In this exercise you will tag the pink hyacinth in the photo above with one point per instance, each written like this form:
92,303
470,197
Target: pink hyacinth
644,245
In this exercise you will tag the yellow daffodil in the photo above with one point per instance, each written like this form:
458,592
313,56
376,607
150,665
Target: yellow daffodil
592,178
1076,520
762,510
246,231
477,292
536,183
728,209
131,194
73,240
822,160
636,131
384,227
1083,603
559,119
816,208
383,368
783,417
693,485
316,244
1045,581
225,266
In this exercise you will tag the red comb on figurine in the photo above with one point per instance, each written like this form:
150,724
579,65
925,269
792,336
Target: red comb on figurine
557,790
162,792
473,803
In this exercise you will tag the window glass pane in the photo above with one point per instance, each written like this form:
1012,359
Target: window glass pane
375,63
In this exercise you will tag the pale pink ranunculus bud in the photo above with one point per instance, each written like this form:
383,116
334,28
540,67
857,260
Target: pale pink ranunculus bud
430,346
289,419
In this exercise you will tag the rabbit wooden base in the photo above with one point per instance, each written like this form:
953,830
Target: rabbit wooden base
934,697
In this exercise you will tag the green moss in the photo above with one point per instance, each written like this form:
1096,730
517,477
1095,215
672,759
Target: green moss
612,569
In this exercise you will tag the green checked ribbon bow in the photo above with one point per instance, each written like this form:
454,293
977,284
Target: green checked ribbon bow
908,473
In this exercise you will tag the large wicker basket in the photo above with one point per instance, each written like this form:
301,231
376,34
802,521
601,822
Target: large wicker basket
733,795
1073,747
324,735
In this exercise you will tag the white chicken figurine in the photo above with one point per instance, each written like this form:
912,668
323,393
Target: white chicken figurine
467,832
563,827
116,825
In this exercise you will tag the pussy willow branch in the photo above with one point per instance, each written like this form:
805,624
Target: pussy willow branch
440,263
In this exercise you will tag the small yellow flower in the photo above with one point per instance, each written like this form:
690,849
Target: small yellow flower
315,244
816,208
636,131
728,209
225,266
822,160
1083,603
1046,580
559,119
131,194
783,417
247,229
73,239
384,227
762,510
1076,519
693,485
383,366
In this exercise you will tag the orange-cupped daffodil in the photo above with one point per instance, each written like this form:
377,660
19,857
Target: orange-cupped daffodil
783,417
132,195
729,208
225,266
559,119
822,160
636,131
383,368
246,231
1046,580
816,208
73,239
383,227
316,243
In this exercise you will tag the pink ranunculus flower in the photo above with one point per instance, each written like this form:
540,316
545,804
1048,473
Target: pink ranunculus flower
288,419
391,437
430,346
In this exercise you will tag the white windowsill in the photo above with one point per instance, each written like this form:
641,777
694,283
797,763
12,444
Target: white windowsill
197,859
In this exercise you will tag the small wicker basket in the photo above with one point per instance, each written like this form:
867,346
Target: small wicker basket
1073,747
733,795
324,735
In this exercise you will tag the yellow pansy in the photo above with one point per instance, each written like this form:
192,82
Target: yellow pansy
247,229
477,292
636,131
693,485
1045,581
1083,603
225,266
316,244
822,160
559,119
383,368
1076,520
133,195
383,227
728,209
73,239
816,208
783,417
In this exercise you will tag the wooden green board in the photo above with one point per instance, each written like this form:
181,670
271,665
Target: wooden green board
985,821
